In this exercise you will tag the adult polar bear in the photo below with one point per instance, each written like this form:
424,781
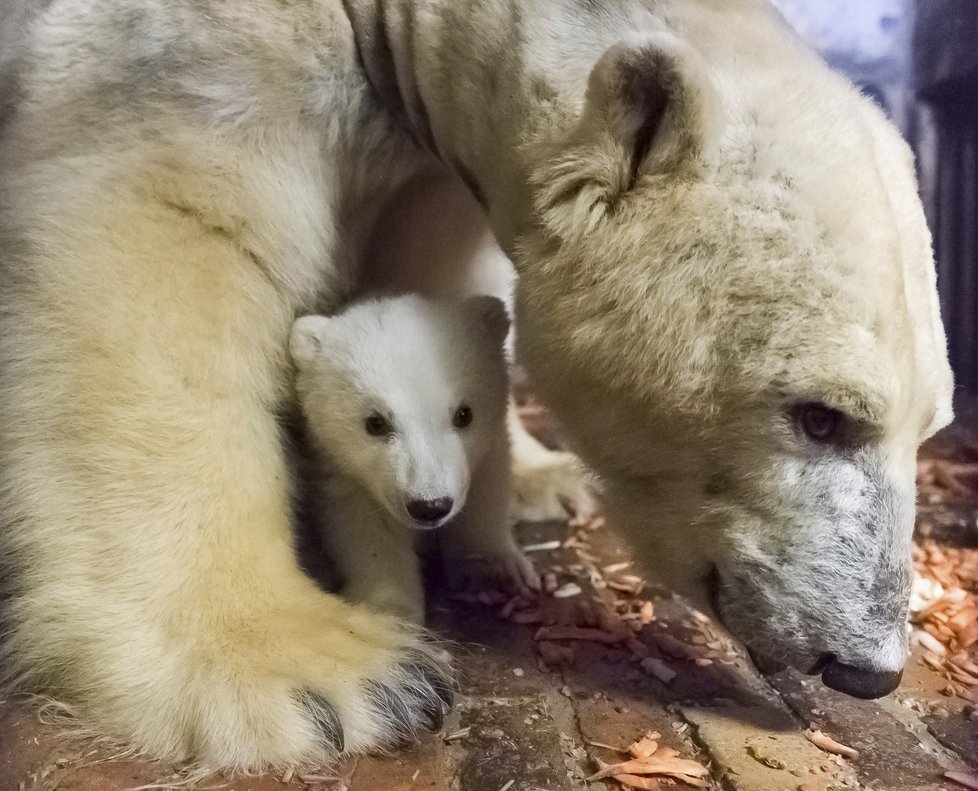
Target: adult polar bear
725,290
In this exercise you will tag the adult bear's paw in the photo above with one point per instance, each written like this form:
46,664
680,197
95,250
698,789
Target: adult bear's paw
412,699
304,686
362,704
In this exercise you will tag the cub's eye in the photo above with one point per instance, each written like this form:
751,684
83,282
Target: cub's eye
820,423
377,426
462,417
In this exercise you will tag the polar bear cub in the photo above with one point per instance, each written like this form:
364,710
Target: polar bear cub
404,402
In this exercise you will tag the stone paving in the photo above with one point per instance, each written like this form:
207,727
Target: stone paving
522,725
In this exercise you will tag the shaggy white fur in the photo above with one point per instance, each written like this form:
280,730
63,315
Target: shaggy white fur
725,291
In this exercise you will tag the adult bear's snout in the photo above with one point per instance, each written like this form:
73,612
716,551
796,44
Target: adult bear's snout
860,682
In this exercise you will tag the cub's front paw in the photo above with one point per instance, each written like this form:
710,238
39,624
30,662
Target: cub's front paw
505,569
550,486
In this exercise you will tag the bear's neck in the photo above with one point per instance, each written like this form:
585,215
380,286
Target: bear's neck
480,83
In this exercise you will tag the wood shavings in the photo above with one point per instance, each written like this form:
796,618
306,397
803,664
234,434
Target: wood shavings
664,762
829,745
459,734
944,614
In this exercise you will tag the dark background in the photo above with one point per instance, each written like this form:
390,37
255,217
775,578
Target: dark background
919,60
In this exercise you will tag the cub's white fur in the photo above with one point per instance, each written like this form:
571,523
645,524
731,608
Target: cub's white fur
413,364
435,241
710,231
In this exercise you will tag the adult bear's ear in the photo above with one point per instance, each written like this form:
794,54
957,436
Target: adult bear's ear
491,315
307,339
650,108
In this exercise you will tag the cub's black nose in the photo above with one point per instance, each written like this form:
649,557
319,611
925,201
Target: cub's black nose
430,510
860,682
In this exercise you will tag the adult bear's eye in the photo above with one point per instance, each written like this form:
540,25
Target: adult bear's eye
820,423
377,425
462,416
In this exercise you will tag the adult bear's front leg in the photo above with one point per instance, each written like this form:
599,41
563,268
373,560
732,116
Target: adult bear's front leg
145,508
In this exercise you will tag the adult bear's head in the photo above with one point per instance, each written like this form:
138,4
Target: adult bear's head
728,296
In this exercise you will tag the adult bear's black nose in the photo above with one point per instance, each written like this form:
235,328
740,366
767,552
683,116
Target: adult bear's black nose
428,511
860,682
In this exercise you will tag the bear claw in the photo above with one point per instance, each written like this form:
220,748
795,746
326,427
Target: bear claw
417,699
326,719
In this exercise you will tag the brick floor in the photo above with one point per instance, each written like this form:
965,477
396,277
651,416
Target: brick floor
522,726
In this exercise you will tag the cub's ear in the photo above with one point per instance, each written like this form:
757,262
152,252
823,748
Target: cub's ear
307,339
491,315
650,108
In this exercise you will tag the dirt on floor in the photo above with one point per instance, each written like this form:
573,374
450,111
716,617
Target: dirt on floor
607,682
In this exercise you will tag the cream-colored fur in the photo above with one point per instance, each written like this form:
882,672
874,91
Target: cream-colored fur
710,231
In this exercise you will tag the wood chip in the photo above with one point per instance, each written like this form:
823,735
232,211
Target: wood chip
646,746
546,546
675,648
606,746
968,781
664,762
641,783
929,642
658,669
624,586
577,633
830,745
567,590
459,734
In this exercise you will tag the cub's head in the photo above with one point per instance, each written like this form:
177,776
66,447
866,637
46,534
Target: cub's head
405,395
727,294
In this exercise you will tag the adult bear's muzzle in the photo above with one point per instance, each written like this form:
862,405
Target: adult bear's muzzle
860,682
